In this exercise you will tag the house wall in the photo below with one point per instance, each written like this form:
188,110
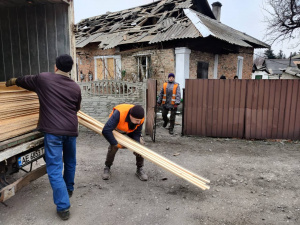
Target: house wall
163,62
227,63
85,59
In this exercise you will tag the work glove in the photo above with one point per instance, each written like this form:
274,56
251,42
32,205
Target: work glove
175,106
120,146
158,104
10,82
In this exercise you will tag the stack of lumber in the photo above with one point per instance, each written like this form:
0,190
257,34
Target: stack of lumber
132,145
19,111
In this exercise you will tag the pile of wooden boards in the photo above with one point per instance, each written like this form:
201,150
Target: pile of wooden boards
19,111
132,145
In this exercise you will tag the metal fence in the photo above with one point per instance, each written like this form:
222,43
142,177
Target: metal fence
252,109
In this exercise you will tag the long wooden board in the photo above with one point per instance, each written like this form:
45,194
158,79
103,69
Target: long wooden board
132,145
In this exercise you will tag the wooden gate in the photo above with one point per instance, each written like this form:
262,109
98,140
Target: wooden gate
151,108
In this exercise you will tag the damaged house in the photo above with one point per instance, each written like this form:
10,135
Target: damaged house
185,37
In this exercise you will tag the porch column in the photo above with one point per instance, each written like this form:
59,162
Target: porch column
182,66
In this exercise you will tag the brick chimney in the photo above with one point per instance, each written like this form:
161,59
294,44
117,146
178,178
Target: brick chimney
216,8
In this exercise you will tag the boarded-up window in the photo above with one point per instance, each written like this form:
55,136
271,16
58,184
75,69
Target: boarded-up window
100,69
202,70
110,68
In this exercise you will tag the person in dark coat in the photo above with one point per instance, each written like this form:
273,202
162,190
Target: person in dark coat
59,98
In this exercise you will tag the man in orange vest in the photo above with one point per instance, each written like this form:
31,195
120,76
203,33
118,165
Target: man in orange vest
128,119
170,98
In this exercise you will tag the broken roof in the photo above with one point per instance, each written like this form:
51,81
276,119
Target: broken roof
158,22
277,66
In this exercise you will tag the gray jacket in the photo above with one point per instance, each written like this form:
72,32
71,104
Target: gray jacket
169,93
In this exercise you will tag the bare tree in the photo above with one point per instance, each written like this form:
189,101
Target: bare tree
283,20
258,58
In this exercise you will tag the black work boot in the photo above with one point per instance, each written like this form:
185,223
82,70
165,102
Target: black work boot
141,174
106,173
64,215
171,131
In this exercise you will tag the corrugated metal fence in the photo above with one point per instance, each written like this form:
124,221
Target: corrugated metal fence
252,109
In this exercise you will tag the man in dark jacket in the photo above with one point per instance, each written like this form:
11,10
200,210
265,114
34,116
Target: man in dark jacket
170,98
60,99
128,119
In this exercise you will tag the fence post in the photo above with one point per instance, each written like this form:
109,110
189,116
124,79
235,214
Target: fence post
182,123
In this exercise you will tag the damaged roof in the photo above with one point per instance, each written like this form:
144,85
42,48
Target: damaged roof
159,21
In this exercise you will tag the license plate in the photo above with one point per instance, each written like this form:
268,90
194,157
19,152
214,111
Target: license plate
30,157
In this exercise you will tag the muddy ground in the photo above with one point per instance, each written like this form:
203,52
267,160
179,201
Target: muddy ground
252,182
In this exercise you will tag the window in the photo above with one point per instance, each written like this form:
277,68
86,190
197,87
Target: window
143,63
240,67
258,77
202,70
107,67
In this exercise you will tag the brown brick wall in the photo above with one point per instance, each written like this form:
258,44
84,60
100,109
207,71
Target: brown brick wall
227,63
197,56
85,58
163,62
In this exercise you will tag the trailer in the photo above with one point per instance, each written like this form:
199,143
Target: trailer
32,34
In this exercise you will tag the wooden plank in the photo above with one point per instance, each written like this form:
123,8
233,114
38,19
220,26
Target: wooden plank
99,64
265,109
146,153
10,190
110,69
276,108
293,114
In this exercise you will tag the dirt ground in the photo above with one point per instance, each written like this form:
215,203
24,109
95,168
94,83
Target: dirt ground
252,182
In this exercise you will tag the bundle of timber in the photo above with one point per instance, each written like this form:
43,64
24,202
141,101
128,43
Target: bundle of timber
19,111
132,145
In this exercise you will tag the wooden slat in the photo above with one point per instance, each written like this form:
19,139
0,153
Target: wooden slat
146,153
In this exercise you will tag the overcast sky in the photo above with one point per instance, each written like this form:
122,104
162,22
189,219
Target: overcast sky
244,15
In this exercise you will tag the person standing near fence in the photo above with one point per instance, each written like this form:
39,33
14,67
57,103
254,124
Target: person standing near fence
169,97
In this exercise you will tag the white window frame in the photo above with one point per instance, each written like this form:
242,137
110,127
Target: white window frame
117,65
239,71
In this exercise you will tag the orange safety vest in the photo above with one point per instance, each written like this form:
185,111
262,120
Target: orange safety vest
173,95
124,110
